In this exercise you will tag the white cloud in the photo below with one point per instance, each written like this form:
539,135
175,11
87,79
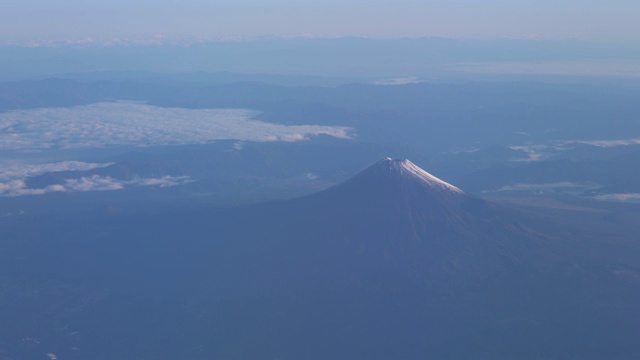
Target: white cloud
625,197
534,152
397,81
607,143
293,137
546,186
18,170
238,145
541,152
90,183
165,181
93,183
19,188
133,124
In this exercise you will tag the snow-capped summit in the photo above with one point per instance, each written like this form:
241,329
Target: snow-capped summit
397,187
389,176
405,169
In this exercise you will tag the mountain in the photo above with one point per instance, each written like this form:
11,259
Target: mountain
395,213
391,264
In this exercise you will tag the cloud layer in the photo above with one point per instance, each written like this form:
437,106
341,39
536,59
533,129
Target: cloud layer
607,143
133,124
90,183
18,170
543,187
625,197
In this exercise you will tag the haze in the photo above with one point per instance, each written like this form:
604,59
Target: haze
198,179
614,20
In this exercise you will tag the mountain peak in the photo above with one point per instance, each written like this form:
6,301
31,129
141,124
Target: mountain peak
405,170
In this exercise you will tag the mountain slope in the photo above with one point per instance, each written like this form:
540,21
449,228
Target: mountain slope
395,212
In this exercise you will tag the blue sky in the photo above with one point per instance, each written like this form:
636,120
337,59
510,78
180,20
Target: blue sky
611,20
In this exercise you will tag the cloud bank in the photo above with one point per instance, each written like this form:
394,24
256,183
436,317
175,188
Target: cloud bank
625,197
397,81
17,170
19,187
607,143
545,187
133,124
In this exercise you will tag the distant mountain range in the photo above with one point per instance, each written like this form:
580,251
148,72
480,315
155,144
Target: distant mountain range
391,264
343,57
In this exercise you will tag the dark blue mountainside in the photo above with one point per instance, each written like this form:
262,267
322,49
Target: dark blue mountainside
392,264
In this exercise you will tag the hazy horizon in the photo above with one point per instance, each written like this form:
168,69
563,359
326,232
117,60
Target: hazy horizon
614,21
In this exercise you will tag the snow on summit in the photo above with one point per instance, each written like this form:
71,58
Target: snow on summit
412,172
